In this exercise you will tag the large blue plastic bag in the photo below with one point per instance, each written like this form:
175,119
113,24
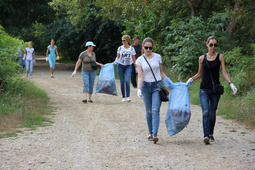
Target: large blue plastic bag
106,81
178,110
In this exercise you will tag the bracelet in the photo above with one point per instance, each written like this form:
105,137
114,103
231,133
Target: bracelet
230,82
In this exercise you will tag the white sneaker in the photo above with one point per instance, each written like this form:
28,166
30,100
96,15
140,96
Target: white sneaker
128,99
123,99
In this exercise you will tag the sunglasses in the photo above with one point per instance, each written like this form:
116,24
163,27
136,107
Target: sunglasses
146,48
211,45
123,40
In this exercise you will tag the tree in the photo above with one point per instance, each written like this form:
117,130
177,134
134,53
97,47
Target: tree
16,14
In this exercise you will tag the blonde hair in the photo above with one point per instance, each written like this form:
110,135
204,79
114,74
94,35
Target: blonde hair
127,38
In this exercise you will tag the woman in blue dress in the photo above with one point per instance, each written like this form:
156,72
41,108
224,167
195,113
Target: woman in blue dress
51,56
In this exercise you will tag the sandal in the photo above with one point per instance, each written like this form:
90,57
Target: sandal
150,137
155,139
90,101
84,100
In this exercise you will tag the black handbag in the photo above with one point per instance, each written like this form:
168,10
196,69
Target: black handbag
93,64
216,88
163,92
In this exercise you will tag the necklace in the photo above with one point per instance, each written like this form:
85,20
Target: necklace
210,58
149,56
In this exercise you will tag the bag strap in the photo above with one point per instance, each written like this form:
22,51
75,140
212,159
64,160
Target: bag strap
208,68
90,58
151,71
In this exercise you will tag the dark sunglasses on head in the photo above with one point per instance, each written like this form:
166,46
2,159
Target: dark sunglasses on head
146,48
123,40
211,45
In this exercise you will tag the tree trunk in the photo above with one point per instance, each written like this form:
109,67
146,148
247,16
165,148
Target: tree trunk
235,17
194,6
191,8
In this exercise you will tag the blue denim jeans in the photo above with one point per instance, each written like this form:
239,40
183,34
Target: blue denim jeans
152,104
29,66
88,81
125,75
209,103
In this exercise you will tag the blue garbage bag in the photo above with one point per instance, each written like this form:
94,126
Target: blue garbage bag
22,62
178,110
106,81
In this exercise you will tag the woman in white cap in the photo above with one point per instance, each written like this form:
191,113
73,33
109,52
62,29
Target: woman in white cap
88,72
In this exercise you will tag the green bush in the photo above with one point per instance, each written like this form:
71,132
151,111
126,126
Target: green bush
242,69
185,41
10,49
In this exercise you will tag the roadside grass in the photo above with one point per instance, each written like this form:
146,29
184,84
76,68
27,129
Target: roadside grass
23,105
240,108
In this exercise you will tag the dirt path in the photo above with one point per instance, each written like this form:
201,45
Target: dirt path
110,134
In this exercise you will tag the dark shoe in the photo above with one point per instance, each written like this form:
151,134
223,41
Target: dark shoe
206,141
150,137
155,139
84,100
90,101
211,138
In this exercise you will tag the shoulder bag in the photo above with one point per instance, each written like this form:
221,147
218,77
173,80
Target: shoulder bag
93,64
163,92
216,88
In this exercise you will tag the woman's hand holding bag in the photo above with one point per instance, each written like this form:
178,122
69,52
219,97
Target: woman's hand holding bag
189,82
167,82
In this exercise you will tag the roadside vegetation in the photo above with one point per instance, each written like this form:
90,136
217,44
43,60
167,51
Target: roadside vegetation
237,107
22,104
179,28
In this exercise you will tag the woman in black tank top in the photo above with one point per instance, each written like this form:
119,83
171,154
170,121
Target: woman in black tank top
209,101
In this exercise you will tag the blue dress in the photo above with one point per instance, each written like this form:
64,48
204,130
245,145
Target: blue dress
52,51
52,56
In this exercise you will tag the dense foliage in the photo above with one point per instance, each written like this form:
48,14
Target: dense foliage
179,28
16,15
10,51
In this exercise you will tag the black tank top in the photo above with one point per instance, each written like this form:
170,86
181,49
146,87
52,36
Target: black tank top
214,69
